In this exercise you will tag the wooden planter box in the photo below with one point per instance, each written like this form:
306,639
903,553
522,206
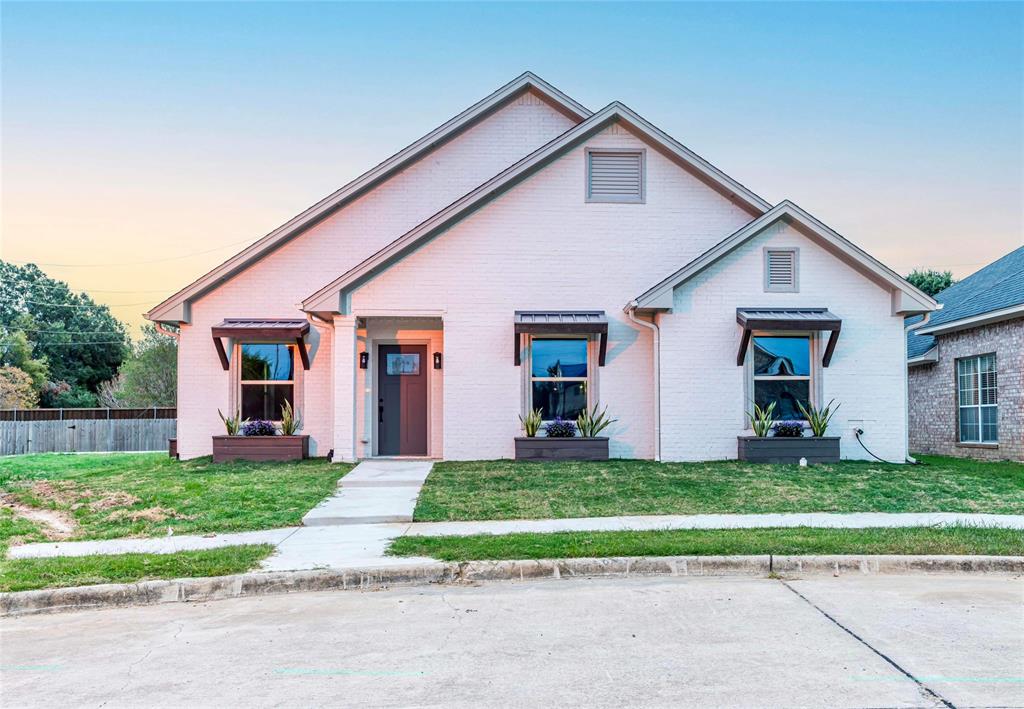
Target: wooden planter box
542,448
778,449
260,448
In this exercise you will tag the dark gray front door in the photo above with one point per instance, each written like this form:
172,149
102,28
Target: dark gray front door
402,399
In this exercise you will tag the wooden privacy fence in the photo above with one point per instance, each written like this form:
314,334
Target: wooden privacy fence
86,430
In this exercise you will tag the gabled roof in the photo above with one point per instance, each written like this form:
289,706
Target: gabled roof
175,309
328,298
906,298
994,293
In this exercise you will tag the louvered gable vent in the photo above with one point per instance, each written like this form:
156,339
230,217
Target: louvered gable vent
780,270
615,176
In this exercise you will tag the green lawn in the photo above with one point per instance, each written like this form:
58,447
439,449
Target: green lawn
506,489
30,574
121,495
703,542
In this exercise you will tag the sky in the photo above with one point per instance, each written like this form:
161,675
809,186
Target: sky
144,143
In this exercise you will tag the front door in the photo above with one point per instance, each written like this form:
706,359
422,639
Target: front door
402,400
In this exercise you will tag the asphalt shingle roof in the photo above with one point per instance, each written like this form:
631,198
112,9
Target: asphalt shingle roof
997,286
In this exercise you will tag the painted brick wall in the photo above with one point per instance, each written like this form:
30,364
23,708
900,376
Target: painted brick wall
541,246
274,287
933,394
704,392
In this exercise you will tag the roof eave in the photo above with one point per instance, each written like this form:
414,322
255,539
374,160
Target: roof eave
989,318
330,295
168,310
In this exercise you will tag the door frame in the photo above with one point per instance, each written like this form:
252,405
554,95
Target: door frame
374,359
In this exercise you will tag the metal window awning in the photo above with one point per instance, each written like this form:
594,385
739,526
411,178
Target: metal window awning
261,330
787,319
561,322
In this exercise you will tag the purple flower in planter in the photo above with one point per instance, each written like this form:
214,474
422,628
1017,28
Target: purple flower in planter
788,429
259,428
560,428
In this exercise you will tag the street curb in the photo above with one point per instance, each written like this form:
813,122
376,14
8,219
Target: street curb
370,579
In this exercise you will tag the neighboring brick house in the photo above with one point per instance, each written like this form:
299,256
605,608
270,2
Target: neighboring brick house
531,253
966,367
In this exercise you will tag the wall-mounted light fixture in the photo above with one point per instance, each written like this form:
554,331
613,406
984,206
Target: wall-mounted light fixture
437,360
364,360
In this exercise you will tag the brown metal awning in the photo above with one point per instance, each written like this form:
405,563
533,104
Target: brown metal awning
561,322
783,319
261,330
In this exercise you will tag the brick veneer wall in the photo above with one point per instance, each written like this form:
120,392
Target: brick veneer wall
933,395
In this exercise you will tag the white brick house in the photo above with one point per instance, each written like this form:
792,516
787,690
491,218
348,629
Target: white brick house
402,289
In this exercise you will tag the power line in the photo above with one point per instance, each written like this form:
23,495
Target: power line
88,305
133,263
65,286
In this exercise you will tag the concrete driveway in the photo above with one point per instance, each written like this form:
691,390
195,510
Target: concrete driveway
886,641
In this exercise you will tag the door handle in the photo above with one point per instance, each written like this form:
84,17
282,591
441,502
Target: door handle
380,411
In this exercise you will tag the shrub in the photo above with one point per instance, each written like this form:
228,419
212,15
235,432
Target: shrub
817,418
532,422
591,423
291,422
788,429
259,428
560,428
232,423
761,419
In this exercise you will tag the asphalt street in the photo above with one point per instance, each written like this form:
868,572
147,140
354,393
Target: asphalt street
851,641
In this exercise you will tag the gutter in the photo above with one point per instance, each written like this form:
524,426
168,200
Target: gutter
656,332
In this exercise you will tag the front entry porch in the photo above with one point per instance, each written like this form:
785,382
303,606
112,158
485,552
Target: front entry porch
398,387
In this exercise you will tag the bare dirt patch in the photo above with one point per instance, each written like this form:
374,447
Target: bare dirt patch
149,514
54,524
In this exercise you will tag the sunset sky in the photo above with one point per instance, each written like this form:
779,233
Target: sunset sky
145,143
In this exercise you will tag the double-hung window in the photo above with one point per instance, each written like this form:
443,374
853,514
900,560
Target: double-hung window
267,379
782,373
978,399
559,376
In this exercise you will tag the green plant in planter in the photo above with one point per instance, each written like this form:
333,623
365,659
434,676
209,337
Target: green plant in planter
591,423
761,419
232,424
291,422
817,419
532,422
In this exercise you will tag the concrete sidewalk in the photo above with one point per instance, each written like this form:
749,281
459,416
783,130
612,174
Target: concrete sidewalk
356,545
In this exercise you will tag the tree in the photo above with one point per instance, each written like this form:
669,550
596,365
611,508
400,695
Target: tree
149,377
16,389
16,351
80,340
931,281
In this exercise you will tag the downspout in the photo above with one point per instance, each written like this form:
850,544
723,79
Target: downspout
168,333
907,329
656,332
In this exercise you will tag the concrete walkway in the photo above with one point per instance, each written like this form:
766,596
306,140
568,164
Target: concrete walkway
374,492
352,545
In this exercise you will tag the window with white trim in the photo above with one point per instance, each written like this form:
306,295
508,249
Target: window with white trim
615,175
559,376
978,399
781,270
267,379
782,369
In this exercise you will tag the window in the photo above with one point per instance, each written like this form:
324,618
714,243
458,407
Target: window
615,176
267,380
978,398
558,377
780,270
782,374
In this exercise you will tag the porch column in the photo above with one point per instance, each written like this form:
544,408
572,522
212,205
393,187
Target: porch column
344,388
